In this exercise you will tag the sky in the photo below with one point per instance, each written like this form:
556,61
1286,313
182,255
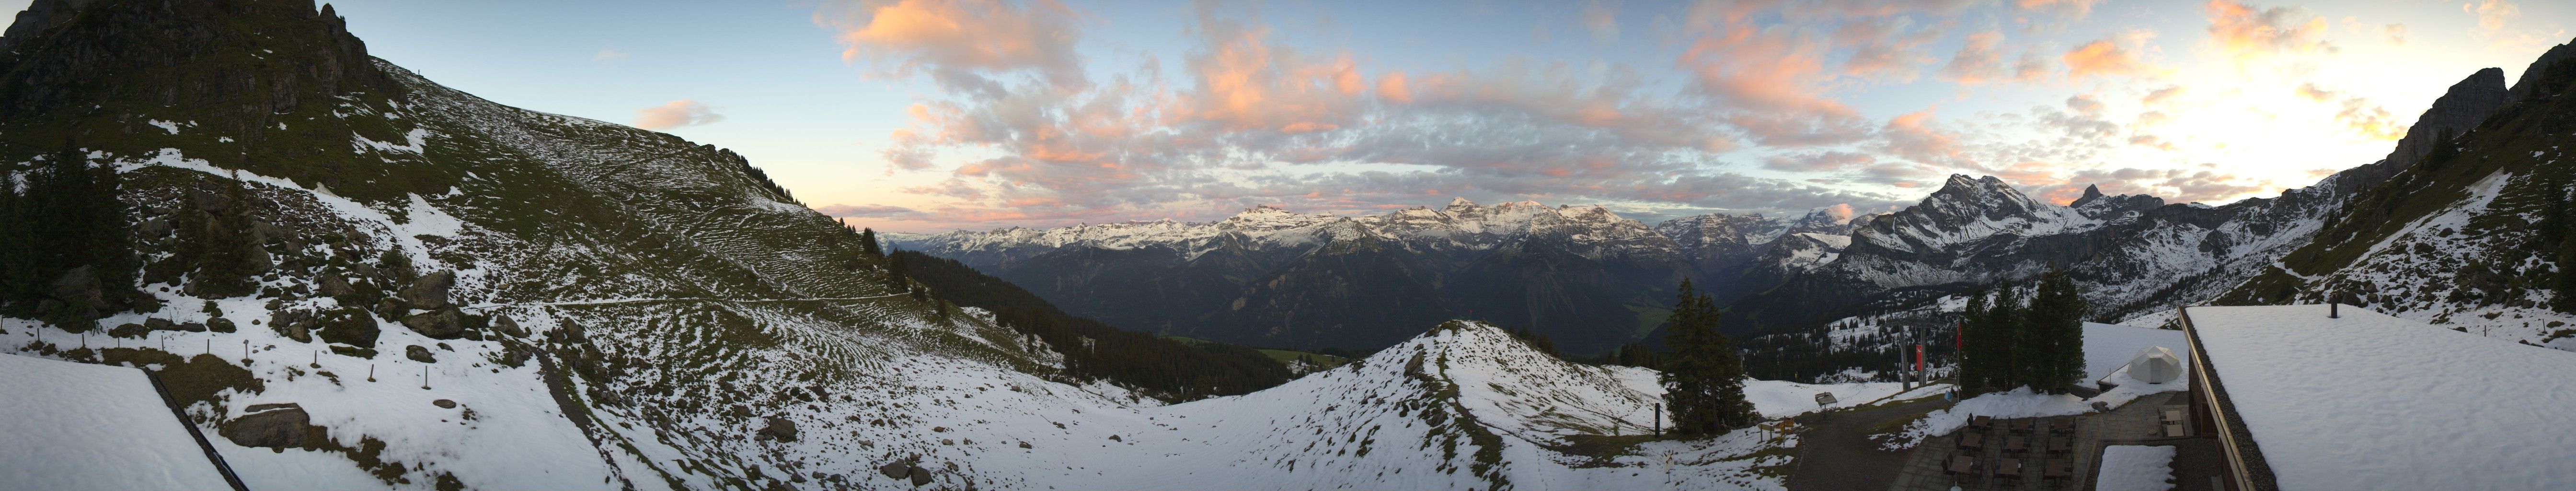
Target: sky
932,115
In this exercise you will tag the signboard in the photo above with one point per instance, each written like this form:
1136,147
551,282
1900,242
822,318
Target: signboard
1824,399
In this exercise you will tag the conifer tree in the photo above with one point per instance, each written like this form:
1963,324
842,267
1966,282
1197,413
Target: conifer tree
2003,329
2054,342
68,218
1976,364
1704,378
868,242
219,247
2554,231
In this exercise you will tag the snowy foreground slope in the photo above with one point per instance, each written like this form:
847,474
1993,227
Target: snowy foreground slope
74,426
1463,407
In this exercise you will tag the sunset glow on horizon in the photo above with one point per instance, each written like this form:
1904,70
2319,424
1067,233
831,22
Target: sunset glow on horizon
930,115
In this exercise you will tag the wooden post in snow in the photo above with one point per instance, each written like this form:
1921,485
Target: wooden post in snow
1659,419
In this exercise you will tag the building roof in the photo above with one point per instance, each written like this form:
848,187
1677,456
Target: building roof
82,426
2369,401
2107,347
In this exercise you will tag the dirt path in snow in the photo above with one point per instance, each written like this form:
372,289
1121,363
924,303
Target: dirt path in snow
1837,455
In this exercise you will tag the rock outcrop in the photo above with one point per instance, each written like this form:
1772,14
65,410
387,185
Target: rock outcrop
430,293
445,323
2461,108
275,427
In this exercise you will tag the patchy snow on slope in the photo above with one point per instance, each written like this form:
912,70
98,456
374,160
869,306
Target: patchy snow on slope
416,141
2018,403
1779,399
74,426
2135,468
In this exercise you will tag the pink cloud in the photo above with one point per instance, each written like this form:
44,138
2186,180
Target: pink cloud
2102,58
1247,83
1980,61
955,40
2245,32
676,114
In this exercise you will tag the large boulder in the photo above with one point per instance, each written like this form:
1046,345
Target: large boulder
333,286
154,228
431,291
444,323
895,470
779,428
350,326
508,327
80,289
419,354
294,324
276,427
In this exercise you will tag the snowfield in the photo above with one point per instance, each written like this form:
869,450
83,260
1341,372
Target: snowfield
74,426
2135,468
2371,401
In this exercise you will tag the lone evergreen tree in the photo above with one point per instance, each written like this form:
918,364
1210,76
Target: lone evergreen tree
868,242
1704,378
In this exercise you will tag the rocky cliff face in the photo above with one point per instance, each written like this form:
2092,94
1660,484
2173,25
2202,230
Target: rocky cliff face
2472,238
295,59
2524,87
2458,110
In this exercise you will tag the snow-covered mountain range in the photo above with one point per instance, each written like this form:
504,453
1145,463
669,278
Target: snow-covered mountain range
442,292
2135,255
1585,275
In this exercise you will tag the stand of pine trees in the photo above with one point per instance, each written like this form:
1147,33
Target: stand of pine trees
66,252
1703,376
2007,342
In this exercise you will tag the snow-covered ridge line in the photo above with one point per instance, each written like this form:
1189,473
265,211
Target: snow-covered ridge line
1460,225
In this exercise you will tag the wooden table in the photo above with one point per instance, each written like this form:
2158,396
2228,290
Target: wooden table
2008,468
1961,465
2016,444
1972,441
2060,470
2021,425
2061,444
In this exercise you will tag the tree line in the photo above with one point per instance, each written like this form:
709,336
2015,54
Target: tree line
66,254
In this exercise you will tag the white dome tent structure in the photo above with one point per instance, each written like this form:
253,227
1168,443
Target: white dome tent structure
2155,365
